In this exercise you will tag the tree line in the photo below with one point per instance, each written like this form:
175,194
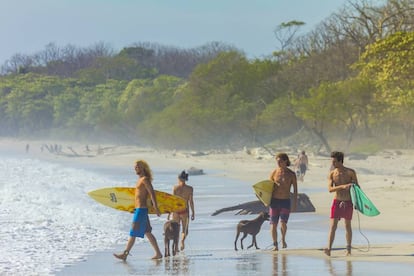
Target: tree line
350,78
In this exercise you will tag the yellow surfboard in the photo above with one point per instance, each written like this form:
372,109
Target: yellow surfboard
263,191
122,198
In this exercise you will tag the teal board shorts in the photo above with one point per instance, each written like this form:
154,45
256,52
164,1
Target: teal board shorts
140,223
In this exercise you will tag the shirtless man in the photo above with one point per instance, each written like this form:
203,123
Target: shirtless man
185,191
280,205
301,165
141,223
340,181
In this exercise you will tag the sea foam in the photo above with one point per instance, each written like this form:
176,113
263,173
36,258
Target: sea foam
48,220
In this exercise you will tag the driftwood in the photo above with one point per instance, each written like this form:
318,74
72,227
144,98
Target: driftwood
254,207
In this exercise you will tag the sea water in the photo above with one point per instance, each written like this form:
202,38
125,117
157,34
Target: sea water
48,221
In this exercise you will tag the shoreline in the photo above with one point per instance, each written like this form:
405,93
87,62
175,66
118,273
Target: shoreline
391,191
393,188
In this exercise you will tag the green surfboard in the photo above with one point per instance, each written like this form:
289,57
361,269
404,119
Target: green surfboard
362,203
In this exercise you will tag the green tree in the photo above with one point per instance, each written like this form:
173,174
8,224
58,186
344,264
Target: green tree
316,110
389,63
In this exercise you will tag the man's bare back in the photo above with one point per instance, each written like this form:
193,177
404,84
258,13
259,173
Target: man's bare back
183,191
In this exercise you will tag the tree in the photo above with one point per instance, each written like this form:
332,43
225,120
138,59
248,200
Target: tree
316,110
389,63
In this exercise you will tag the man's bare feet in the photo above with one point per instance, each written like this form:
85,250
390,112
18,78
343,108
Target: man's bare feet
182,246
157,257
348,250
122,256
275,248
284,244
327,251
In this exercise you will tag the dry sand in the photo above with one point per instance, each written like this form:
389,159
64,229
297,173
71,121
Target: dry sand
386,177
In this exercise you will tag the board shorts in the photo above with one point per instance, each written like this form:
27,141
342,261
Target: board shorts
140,223
302,169
342,209
279,209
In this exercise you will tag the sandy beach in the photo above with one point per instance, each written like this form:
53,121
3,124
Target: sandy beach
386,177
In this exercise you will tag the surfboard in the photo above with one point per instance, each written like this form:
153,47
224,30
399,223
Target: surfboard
263,191
122,198
362,203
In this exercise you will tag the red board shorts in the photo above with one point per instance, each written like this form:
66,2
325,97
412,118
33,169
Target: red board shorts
342,209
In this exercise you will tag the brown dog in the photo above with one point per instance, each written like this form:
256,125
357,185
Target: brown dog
251,227
171,232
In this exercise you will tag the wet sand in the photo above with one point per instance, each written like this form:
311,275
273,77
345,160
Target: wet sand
387,178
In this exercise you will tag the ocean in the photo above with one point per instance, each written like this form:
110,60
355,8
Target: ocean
49,223
48,220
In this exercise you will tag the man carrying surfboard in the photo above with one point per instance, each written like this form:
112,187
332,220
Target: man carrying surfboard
340,180
280,205
185,191
141,223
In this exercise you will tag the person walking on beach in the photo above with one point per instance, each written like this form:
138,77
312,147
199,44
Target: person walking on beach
301,165
280,205
340,180
141,223
185,191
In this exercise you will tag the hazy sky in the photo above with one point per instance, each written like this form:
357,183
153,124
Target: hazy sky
27,26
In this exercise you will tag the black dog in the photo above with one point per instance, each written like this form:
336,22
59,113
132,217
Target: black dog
171,232
251,227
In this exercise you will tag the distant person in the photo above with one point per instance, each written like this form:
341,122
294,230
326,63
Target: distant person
340,181
281,205
185,191
27,148
301,165
141,223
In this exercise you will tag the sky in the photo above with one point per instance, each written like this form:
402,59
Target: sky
27,26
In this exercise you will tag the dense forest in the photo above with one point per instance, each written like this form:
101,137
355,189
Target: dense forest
348,83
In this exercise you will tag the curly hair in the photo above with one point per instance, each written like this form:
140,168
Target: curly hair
283,156
145,168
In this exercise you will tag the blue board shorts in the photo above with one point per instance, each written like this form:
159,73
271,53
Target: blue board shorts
279,209
140,223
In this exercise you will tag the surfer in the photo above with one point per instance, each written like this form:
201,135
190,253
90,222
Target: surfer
185,191
340,181
141,223
301,165
280,205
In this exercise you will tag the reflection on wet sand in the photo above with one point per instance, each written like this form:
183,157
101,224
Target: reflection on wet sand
337,268
178,265
247,262
279,264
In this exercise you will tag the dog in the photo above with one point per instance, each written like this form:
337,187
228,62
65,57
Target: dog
251,227
171,232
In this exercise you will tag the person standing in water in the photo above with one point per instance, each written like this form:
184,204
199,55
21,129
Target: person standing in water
280,205
141,224
340,180
185,191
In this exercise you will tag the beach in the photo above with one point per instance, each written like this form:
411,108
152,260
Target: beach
386,177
